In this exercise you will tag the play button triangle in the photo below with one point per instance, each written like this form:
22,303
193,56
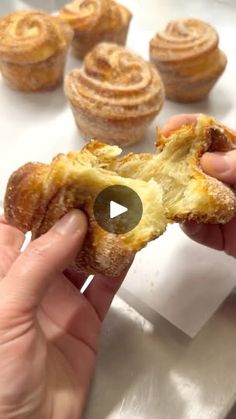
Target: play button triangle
116,209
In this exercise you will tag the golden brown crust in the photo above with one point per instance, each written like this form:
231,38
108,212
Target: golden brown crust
38,195
115,96
187,55
33,47
188,193
95,21
170,184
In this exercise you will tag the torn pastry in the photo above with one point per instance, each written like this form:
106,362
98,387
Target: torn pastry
170,184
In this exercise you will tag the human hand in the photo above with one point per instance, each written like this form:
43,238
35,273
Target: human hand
223,167
49,331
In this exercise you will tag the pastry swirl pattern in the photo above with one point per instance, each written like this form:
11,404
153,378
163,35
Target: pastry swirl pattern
84,15
96,21
32,36
184,39
187,55
115,84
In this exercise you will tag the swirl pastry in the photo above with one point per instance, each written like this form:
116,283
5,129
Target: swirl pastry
33,48
94,21
115,96
39,194
188,193
188,58
170,184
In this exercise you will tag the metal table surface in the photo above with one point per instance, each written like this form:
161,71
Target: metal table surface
146,368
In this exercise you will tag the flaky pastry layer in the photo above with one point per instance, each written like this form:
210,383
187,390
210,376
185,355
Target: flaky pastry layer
170,184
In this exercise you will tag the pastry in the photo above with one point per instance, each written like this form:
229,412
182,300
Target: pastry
94,21
33,49
115,95
187,56
188,193
39,194
170,184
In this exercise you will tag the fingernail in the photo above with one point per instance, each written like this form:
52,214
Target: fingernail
71,223
218,163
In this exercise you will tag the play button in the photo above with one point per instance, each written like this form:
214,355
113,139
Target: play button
118,209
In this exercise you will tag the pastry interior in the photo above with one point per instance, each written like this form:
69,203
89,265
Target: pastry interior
188,193
38,195
170,184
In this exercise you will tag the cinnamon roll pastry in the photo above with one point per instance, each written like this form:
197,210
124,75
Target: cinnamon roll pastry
189,60
94,21
33,49
39,194
170,184
188,193
115,95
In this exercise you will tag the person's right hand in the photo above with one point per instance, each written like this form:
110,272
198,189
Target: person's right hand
49,330
223,167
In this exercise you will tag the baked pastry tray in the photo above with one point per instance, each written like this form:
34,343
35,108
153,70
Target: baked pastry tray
173,277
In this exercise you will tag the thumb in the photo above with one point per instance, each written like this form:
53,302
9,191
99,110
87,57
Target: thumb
36,268
220,165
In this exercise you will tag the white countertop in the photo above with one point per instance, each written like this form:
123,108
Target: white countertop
147,369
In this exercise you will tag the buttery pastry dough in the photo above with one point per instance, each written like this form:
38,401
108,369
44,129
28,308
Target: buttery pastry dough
171,185
115,95
33,49
94,21
187,55
188,193
39,194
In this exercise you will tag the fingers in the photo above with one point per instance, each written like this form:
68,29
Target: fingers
208,234
10,236
221,166
11,240
101,292
76,278
35,269
65,306
8,257
229,230
177,121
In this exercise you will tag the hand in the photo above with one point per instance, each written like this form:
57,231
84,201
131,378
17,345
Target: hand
49,331
223,167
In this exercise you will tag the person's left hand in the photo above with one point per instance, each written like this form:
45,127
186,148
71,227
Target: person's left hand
49,330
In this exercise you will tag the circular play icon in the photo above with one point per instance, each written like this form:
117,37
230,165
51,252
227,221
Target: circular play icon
118,209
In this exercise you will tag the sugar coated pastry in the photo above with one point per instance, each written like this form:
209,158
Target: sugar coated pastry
188,58
33,49
39,194
170,184
94,21
115,95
